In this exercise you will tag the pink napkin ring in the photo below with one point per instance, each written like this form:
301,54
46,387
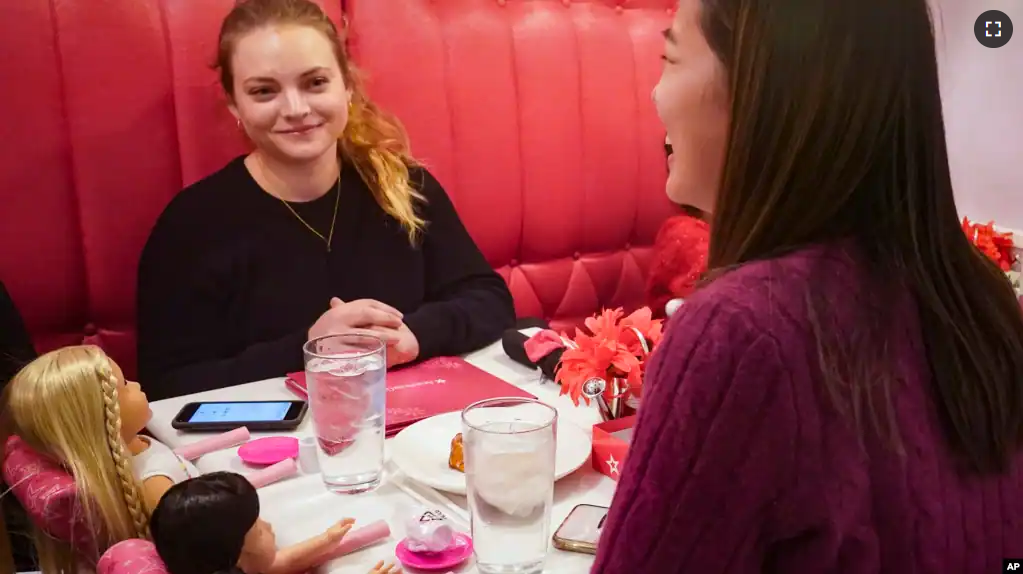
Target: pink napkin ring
542,344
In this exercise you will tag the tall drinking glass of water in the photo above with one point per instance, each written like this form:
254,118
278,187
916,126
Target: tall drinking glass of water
509,447
347,379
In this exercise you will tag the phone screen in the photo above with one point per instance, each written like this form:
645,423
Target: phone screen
581,529
268,411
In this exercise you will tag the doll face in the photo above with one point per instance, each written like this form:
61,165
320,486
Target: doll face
135,413
260,548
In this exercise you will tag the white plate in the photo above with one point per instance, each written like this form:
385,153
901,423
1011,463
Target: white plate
421,451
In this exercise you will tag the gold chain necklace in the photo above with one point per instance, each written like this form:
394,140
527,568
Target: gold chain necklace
330,236
333,220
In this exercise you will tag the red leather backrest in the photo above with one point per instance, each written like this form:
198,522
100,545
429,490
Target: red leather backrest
534,114
111,109
536,117
89,161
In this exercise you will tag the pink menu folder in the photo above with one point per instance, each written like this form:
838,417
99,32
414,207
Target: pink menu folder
435,386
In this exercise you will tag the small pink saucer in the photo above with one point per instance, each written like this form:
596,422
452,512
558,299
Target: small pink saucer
450,558
269,450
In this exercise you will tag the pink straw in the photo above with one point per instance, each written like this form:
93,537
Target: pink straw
214,443
271,474
360,538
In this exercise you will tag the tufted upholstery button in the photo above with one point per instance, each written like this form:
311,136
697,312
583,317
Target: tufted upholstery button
513,263
628,246
566,2
576,255
619,9
501,2
90,330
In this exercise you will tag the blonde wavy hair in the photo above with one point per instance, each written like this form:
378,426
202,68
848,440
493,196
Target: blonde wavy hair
64,405
374,141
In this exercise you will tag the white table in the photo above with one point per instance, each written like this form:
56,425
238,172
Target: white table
301,506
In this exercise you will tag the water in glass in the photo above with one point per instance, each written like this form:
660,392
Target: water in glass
510,477
347,402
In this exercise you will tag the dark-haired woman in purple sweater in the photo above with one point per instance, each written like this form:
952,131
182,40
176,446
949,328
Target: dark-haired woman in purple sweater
845,392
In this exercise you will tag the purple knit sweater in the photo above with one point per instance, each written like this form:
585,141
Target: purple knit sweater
739,463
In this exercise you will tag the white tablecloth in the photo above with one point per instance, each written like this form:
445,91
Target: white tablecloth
301,507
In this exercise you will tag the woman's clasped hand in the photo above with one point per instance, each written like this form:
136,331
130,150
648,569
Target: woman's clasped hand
380,318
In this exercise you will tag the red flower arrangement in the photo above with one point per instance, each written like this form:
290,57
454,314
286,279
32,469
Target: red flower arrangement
616,347
996,245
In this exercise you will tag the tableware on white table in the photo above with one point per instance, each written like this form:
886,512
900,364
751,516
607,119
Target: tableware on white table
421,451
347,378
510,451
302,507
426,496
268,450
427,530
428,562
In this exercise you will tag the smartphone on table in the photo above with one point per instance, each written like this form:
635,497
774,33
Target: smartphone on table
581,529
228,415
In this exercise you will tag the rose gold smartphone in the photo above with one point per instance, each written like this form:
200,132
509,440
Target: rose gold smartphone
581,529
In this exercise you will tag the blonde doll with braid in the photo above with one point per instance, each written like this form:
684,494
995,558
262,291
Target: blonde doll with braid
75,406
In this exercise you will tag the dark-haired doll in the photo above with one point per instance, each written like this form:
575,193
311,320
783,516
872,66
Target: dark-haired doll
211,525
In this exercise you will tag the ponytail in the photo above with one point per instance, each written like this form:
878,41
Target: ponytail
377,145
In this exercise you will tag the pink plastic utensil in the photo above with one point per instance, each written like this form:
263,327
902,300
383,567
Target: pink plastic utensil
287,468
459,552
360,538
269,450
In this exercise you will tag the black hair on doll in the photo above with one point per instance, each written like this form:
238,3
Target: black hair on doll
200,524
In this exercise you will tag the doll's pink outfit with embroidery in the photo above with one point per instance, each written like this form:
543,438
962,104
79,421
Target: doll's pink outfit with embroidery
131,557
49,496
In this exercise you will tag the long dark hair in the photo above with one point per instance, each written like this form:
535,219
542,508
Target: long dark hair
837,134
200,524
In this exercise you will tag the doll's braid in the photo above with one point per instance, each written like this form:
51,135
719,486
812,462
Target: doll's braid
129,487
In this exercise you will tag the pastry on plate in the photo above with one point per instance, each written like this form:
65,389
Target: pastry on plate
456,459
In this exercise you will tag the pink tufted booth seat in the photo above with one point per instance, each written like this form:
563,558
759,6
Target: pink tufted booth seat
534,114
49,496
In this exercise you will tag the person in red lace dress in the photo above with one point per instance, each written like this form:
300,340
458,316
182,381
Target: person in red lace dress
680,255
680,258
